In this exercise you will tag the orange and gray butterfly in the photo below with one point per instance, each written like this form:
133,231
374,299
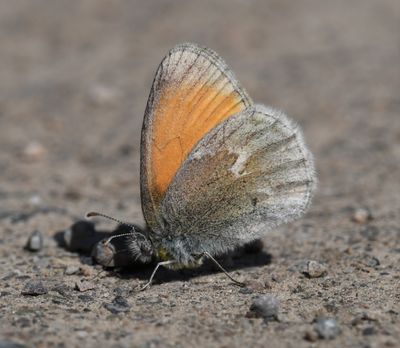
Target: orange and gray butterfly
192,92
247,175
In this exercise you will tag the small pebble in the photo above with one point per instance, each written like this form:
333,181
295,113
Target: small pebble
83,285
362,215
70,270
118,305
327,328
34,151
34,288
314,269
35,241
266,307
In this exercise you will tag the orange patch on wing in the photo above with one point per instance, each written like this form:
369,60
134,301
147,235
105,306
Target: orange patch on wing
183,118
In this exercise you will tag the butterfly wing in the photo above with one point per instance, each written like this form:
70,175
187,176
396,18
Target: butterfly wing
193,91
247,175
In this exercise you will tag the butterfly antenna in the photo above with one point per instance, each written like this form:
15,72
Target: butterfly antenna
94,214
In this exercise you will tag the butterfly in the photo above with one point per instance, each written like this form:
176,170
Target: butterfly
217,170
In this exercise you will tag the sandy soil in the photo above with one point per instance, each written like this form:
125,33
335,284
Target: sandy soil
74,81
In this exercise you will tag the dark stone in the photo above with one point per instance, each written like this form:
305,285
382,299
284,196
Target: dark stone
118,305
266,307
34,288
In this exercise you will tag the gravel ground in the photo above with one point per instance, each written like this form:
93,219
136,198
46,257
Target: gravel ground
74,82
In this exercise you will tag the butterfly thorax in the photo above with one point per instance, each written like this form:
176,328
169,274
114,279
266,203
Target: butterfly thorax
162,254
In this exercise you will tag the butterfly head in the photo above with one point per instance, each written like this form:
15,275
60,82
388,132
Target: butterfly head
138,243
141,248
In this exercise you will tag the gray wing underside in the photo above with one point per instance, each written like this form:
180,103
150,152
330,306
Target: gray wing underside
248,175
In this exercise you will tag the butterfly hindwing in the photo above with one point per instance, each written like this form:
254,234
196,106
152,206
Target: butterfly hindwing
193,91
249,174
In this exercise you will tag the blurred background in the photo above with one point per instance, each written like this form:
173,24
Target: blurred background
74,81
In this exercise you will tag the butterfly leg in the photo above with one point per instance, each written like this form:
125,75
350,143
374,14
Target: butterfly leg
205,253
163,263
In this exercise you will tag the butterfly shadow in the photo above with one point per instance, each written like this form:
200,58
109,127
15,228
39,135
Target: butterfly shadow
239,259
82,237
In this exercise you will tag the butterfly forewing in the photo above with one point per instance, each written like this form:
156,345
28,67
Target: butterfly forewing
193,91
